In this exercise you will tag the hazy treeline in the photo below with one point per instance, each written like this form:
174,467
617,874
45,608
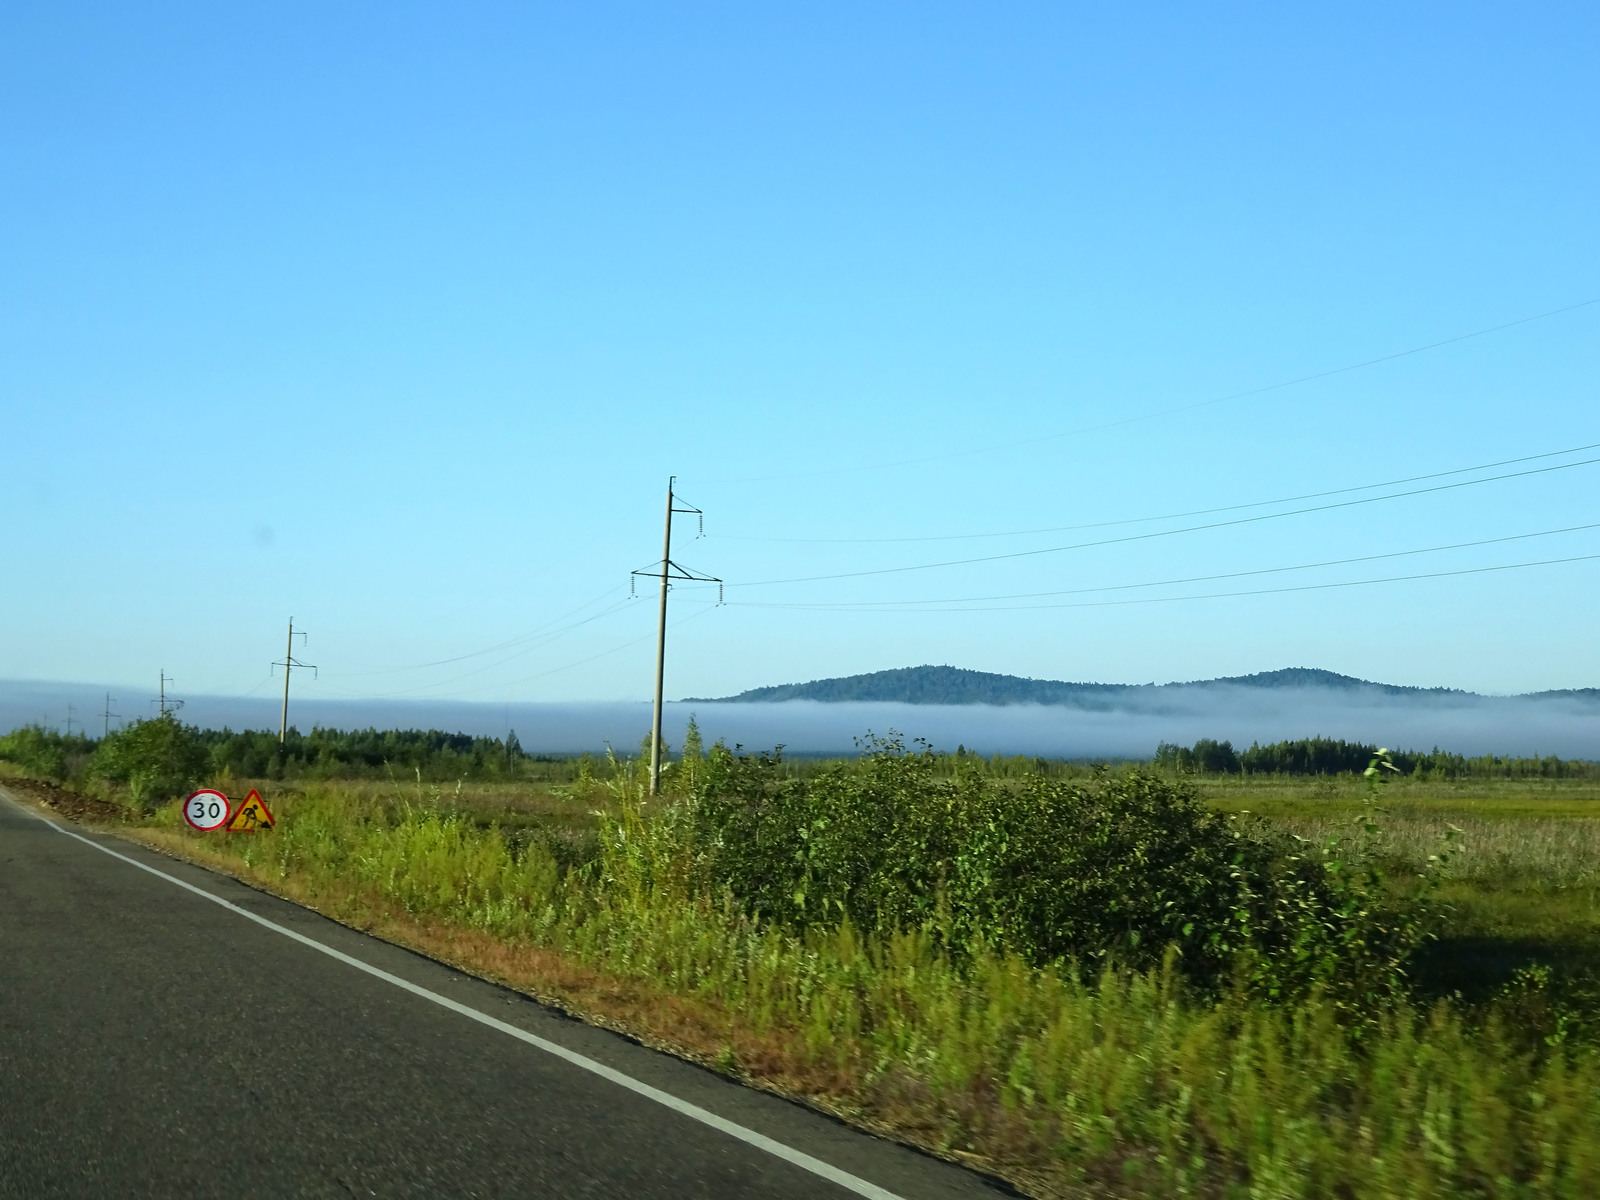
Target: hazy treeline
258,754
1327,756
437,756
337,753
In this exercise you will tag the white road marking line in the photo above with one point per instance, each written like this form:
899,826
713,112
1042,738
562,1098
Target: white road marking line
750,1137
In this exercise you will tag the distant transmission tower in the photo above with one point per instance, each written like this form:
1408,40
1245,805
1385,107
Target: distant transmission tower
163,704
105,730
288,664
666,572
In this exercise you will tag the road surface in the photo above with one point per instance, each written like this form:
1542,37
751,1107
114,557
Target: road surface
155,1042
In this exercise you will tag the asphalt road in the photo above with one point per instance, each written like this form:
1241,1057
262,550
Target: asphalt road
156,1043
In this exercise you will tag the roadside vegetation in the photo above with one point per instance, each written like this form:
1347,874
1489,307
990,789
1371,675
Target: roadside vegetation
1121,981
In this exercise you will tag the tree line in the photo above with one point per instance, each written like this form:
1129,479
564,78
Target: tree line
1329,756
162,755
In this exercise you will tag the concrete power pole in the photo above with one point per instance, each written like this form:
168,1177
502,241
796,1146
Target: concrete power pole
669,570
289,663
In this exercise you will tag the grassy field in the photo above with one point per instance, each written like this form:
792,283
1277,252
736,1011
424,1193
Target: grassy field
1484,1084
1522,882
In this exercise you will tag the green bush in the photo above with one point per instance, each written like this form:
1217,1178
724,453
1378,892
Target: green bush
158,759
41,751
1112,871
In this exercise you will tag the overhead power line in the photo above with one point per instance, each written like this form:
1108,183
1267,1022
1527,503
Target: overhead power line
1306,587
1177,516
1161,533
930,605
1177,409
614,650
542,641
518,640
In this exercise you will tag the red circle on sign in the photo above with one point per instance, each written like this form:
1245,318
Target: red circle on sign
202,808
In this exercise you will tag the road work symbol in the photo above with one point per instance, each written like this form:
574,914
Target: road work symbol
251,815
206,810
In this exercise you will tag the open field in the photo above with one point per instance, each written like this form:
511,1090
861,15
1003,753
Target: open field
1522,882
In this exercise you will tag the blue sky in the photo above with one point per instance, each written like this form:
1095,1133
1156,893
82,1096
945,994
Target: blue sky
396,318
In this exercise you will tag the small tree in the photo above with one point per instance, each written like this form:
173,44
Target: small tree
691,765
159,759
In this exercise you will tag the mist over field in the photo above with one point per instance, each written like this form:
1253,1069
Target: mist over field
1131,726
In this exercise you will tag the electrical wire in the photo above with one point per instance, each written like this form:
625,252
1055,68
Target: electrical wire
1168,412
1138,537
1308,587
488,649
1198,512
582,661
544,641
613,650
913,605
258,687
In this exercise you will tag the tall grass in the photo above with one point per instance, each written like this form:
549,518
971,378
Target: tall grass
1554,852
1125,1083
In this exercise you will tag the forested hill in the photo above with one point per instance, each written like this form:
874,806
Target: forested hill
936,685
954,685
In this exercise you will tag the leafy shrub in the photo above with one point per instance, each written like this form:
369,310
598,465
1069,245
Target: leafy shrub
158,759
41,751
1115,870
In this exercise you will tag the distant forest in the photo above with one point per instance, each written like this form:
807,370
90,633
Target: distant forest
435,756
1325,756
412,754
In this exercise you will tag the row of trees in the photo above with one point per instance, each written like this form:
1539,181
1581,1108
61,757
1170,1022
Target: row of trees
161,758
327,753
1327,756
156,759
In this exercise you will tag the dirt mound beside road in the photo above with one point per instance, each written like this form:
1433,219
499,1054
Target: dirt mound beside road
67,802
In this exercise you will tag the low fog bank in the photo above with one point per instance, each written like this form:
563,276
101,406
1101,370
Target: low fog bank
1458,722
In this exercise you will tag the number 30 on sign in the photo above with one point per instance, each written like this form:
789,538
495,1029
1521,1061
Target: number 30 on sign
206,810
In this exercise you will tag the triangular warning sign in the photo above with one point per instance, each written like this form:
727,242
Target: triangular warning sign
251,815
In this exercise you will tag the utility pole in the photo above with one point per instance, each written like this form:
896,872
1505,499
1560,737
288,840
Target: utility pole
70,710
106,727
167,706
289,662
669,570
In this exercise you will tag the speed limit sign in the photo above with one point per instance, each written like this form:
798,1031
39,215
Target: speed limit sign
206,810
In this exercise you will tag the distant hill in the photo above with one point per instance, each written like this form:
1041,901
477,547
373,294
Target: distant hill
955,685
934,685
